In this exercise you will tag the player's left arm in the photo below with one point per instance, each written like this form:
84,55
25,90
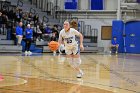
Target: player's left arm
81,39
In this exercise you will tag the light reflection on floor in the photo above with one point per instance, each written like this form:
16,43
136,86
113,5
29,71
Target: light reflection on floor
104,73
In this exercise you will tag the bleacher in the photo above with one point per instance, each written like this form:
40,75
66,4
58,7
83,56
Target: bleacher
90,34
8,45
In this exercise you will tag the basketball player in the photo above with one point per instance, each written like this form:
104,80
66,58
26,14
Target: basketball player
71,47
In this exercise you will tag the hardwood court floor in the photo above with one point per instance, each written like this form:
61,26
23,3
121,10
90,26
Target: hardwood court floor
52,74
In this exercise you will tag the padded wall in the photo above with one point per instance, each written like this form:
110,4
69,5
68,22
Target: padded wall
117,31
132,31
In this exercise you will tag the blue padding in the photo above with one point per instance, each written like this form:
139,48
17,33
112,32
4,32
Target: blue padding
117,31
71,5
96,4
132,31
33,48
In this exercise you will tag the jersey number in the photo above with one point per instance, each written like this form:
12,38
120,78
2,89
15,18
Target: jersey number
69,41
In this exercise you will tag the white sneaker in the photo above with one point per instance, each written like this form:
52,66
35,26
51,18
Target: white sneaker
29,53
26,53
80,74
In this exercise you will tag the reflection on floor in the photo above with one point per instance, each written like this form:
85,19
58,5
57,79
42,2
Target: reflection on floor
52,74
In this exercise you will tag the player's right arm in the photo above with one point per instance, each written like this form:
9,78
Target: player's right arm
60,41
60,38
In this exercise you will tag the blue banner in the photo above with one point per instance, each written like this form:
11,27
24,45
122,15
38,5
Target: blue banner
97,4
71,4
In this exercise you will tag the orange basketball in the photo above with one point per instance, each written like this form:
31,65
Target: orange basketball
53,45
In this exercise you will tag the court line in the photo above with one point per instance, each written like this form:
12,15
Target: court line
2,88
116,73
60,78
64,81
19,90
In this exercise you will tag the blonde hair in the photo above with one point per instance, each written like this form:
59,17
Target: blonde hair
74,24
66,21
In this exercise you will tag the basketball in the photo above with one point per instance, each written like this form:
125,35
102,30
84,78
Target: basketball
53,45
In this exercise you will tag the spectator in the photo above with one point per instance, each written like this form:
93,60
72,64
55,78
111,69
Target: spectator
4,23
0,22
14,34
29,36
53,37
39,34
30,18
55,32
19,33
11,15
25,17
36,19
17,15
48,33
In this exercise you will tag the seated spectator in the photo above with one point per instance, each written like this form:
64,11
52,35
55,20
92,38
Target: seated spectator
55,32
53,38
39,34
47,33
18,15
36,19
30,17
114,45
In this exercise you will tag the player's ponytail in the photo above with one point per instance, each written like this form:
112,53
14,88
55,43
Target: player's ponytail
74,24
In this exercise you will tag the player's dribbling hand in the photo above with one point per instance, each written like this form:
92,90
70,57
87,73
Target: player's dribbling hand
82,47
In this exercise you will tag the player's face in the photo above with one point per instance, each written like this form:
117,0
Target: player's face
66,26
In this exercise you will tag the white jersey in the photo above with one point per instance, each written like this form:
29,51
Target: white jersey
69,37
